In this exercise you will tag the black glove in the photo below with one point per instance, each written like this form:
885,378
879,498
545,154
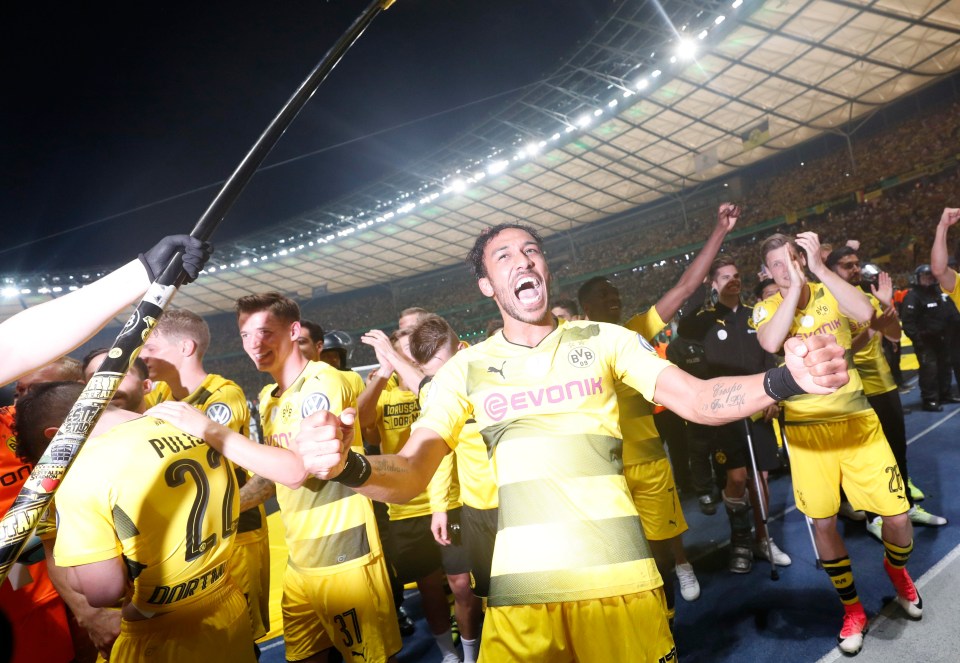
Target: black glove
195,256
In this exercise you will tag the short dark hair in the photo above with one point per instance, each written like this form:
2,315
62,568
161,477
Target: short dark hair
837,254
432,334
45,405
568,304
587,287
316,331
719,263
138,364
475,256
758,291
282,307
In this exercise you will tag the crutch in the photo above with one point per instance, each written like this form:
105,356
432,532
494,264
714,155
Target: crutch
761,498
809,521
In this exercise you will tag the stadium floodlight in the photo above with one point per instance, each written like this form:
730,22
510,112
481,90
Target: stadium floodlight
656,73
641,84
584,121
703,35
57,288
627,93
409,207
9,292
570,128
612,103
686,49
211,269
24,291
719,19
598,112
736,3
458,186
555,136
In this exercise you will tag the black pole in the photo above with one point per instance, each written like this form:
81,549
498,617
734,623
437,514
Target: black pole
19,523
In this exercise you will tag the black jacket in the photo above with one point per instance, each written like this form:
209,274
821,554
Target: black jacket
731,346
926,313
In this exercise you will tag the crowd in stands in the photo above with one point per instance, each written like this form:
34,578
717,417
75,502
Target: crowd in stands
894,225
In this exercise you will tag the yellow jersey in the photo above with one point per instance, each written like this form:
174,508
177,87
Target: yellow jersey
641,439
821,315
328,527
548,415
397,409
869,360
159,497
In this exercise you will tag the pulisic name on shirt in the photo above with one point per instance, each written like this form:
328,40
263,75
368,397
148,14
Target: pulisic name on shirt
171,444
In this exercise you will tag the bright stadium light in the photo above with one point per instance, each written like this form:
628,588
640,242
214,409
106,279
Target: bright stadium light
656,73
612,103
584,121
703,35
686,49
719,19
9,292
641,84
736,3
458,186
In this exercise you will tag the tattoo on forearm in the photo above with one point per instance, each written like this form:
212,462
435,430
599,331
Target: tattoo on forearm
725,395
387,465
255,492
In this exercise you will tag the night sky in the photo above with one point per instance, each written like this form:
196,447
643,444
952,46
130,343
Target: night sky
109,107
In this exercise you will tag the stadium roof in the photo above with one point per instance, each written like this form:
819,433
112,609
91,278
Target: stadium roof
661,97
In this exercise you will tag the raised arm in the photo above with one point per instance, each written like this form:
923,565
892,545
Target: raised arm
853,303
668,305
324,444
773,334
939,254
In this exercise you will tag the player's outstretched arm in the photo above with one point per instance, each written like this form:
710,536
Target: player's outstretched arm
939,254
668,305
38,335
815,366
324,444
273,463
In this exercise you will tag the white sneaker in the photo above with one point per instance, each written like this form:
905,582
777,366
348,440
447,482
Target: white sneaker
689,585
450,657
875,527
847,511
920,516
780,558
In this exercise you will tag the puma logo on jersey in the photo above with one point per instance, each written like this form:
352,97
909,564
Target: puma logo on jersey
491,369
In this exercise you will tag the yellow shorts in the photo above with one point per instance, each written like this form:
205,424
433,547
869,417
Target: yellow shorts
215,628
351,610
621,628
655,495
250,569
852,453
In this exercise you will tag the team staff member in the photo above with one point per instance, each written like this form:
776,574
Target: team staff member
571,563
146,516
835,440
731,348
336,592
174,356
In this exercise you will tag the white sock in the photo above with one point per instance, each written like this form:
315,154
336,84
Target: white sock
445,643
470,649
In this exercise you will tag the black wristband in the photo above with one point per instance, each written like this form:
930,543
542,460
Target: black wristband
780,384
355,471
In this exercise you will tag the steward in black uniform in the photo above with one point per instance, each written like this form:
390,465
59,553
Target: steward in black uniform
731,348
928,317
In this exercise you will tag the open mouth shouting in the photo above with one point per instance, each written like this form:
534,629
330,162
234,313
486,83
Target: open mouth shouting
529,290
